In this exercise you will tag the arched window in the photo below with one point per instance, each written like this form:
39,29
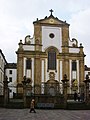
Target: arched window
51,60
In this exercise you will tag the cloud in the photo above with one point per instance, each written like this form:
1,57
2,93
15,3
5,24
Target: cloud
79,29
17,16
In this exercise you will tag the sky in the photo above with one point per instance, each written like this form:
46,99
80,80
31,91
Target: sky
17,16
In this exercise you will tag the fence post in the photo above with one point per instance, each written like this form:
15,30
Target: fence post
87,97
6,90
65,80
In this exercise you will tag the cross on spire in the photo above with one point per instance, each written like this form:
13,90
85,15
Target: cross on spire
51,11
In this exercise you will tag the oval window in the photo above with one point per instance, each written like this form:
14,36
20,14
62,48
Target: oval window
51,35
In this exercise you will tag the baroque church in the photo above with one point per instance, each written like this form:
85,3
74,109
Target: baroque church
49,55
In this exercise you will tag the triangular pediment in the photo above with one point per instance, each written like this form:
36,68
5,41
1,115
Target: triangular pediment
51,20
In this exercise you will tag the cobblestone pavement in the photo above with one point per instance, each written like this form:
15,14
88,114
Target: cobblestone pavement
23,114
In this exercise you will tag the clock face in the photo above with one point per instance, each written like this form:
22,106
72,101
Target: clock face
51,21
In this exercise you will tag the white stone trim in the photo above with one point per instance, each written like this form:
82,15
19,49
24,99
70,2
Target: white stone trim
42,71
74,50
32,71
47,41
78,73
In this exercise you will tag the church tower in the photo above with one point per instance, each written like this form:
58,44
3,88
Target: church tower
50,54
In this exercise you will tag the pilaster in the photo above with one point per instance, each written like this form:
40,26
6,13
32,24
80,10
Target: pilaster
37,75
37,34
66,67
81,71
19,71
65,36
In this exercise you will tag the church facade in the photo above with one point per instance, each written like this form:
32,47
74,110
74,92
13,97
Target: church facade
48,56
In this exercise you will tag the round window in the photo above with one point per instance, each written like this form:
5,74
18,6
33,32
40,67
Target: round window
51,35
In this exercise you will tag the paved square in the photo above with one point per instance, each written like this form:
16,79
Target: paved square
23,114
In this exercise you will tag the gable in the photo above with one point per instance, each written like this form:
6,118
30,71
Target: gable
50,20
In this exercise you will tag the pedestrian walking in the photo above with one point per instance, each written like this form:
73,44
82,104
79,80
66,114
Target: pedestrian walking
32,109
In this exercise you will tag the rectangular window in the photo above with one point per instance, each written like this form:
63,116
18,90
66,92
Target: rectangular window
10,79
74,66
52,60
10,71
10,90
28,64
